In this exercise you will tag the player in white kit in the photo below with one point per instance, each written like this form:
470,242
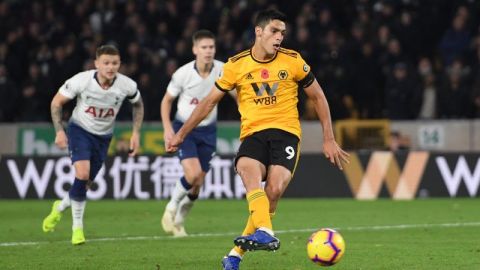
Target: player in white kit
99,94
191,83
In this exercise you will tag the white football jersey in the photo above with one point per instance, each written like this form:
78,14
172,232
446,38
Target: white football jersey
191,88
96,107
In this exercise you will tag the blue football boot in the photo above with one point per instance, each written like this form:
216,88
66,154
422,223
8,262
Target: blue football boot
231,263
260,240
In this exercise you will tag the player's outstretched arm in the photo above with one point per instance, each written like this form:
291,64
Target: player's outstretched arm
331,149
201,111
56,112
137,113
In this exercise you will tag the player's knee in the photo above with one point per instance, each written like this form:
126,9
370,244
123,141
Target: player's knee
82,175
274,192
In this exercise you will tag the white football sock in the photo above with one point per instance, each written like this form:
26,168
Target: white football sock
184,208
64,204
77,213
267,230
179,192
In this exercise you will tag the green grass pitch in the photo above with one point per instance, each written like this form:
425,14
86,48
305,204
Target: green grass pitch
382,234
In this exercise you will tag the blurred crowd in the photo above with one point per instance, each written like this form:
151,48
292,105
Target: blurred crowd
396,59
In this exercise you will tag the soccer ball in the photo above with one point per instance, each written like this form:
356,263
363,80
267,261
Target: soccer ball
325,247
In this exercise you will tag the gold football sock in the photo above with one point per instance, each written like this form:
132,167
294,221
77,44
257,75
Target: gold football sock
259,206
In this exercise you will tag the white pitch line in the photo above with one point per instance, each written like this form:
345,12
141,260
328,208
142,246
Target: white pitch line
356,228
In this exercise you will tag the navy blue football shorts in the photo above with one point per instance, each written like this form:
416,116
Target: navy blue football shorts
200,143
84,145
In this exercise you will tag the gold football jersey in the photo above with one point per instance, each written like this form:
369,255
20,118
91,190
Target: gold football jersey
267,90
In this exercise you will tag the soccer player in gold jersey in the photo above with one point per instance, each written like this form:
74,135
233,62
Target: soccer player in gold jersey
266,78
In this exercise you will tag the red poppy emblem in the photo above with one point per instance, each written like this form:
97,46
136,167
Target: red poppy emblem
264,74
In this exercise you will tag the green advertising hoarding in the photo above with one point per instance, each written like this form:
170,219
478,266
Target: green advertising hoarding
40,140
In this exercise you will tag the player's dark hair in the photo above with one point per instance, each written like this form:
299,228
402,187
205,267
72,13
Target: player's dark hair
201,34
266,16
107,49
